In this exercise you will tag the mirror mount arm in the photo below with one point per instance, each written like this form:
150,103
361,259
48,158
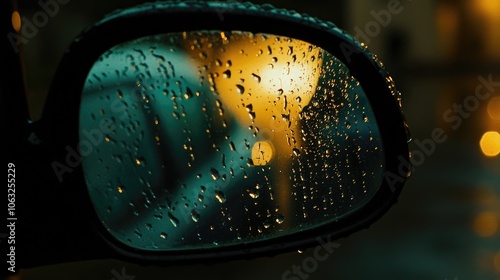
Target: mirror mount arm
13,99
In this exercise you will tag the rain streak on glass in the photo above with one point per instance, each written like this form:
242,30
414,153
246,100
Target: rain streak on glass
211,138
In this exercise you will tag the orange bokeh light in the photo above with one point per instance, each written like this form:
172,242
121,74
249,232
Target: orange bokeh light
16,21
490,143
485,224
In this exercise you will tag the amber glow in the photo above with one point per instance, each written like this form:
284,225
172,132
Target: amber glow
488,7
489,20
494,108
485,224
266,83
16,21
490,143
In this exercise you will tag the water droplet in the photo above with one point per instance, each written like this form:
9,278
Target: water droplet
240,89
220,196
215,174
296,152
195,216
188,94
256,77
253,193
226,74
173,220
251,115
140,161
163,235
231,146
266,224
280,91
280,218
120,189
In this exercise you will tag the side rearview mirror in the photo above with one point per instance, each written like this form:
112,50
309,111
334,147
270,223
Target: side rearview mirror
166,139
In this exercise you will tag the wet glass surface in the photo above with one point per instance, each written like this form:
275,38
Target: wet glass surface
214,138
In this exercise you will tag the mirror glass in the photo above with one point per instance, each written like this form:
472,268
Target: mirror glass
206,139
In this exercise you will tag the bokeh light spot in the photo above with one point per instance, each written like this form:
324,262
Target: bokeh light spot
490,143
485,224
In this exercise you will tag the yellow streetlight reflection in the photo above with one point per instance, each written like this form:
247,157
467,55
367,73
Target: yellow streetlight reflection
262,153
265,81
490,143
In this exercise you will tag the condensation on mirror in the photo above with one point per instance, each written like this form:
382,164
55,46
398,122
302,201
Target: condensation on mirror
206,139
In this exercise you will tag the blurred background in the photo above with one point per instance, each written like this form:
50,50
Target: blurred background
446,223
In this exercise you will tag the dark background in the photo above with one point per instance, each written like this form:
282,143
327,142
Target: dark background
445,225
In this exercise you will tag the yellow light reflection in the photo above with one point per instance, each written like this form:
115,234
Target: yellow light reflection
265,81
16,21
490,143
485,224
494,108
262,153
488,7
